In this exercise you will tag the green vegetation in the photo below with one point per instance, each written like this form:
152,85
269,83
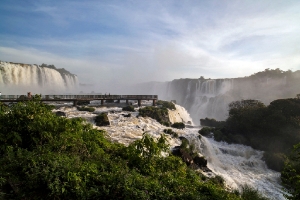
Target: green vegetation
159,114
85,108
211,122
205,131
128,108
290,175
178,125
170,132
166,104
248,193
43,156
274,128
102,120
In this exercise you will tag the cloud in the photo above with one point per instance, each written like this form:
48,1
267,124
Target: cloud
112,43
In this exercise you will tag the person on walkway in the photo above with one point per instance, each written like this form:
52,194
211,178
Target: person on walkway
0,95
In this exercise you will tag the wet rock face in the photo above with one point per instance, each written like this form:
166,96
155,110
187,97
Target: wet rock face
200,161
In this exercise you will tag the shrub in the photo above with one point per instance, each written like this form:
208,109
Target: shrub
290,174
159,114
166,104
205,131
218,180
128,108
89,109
170,132
211,123
178,125
248,193
102,120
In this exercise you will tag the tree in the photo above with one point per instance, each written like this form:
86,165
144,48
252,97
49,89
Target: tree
290,175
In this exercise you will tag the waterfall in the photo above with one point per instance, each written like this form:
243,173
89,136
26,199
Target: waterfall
210,97
180,115
24,78
239,165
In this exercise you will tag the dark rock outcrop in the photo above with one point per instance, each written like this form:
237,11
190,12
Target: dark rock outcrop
127,115
200,161
189,157
102,120
60,114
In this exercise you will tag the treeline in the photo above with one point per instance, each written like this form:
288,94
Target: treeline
60,70
43,156
274,128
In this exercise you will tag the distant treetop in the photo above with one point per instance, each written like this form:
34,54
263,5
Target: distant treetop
60,70
271,73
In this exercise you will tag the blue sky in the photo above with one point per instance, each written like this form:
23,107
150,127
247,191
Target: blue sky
130,41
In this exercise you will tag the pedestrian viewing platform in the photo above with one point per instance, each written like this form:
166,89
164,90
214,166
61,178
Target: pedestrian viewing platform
77,98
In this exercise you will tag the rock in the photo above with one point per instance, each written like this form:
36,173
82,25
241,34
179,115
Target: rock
102,120
185,156
200,161
128,115
128,108
176,151
60,114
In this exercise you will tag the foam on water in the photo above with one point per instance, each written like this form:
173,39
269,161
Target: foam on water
237,164
180,115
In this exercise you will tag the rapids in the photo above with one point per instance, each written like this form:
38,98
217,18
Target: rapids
237,164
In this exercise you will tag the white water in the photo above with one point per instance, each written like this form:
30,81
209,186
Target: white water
128,129
22,78
237,164
180,115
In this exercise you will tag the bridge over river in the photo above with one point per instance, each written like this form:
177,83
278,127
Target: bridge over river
82,98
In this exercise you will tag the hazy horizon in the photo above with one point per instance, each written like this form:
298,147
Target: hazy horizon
111,43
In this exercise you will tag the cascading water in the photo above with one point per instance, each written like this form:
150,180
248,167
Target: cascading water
19,77
180,115
210,97
239,165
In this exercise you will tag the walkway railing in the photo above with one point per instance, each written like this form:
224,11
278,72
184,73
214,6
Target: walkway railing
87,97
